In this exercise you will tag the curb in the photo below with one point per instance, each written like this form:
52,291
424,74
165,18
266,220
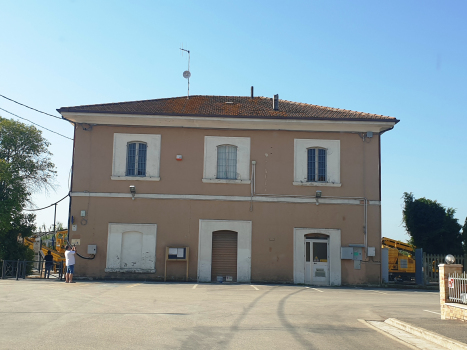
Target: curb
430,336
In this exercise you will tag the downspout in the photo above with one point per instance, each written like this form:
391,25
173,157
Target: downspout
380,197
252,185
71,181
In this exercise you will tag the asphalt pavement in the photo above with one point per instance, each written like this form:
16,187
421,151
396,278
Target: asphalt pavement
47,314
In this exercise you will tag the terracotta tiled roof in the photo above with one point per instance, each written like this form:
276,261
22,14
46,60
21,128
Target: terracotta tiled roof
227,106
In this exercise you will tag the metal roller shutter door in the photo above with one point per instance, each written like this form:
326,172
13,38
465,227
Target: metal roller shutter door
224,255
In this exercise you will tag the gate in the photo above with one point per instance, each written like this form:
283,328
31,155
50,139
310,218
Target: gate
431,262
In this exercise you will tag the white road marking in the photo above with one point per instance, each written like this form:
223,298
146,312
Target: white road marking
375,291
307,287
317,290
433,312
133,285
194,287
254,287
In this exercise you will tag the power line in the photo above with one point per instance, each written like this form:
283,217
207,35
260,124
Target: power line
31,107
48,205
43,127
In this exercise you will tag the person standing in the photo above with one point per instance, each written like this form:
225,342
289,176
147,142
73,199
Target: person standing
49,262
70,263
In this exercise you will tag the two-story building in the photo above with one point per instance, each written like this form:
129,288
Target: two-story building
259,189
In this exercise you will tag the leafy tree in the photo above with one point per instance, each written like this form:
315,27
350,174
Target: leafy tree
431,226
464,236
25,167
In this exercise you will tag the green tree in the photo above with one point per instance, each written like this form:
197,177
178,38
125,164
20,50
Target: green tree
464,236
431,226
25,167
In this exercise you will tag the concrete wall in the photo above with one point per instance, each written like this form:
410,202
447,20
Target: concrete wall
178,219
272,150
273,224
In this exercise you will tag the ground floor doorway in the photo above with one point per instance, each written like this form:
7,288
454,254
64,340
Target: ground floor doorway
317,256
224,256
224,250
316,260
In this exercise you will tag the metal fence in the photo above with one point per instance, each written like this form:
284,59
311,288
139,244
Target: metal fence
457,284
36,268
431,262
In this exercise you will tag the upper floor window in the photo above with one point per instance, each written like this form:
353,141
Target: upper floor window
136,159
227,162
317,162
316,166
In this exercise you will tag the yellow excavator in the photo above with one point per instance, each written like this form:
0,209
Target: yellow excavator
401,261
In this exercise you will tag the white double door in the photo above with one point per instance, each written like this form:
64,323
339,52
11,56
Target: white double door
317,262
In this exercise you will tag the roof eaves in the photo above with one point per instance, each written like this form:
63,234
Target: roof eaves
384,119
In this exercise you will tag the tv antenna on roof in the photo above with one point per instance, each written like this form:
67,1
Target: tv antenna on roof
187,74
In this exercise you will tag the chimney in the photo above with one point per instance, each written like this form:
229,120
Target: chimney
252,92
275,102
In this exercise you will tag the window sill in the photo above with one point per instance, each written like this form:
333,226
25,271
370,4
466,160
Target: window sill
317,184
226,181
131,270
136,178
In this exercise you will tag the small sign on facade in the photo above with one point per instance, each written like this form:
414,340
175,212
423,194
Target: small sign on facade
451,282
228,278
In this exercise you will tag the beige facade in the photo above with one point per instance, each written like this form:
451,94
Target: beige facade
270,208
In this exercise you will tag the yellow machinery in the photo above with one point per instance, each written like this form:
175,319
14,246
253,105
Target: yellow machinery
401,266
58,253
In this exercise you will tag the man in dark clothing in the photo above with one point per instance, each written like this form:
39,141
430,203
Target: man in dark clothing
49,262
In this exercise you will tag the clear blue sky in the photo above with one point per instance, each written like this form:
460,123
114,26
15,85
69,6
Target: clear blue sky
405,59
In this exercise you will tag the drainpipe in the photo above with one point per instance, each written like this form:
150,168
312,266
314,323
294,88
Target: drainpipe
71,180
252,185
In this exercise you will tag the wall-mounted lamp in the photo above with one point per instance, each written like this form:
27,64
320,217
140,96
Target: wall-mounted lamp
133,191
318,194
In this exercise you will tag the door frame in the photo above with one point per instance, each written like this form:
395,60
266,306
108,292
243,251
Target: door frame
334,248
243,229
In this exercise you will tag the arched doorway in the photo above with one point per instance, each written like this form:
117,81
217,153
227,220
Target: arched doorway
224,255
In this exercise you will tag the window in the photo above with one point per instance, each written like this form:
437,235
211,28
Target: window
317,162
136,159
316,165
227,162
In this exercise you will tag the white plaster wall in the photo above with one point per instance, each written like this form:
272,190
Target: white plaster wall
334,254
210,157
152,157
145,261
206,228
301,159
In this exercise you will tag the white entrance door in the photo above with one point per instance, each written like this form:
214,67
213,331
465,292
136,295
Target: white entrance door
316,262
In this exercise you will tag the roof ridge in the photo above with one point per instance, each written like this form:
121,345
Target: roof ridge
161,99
